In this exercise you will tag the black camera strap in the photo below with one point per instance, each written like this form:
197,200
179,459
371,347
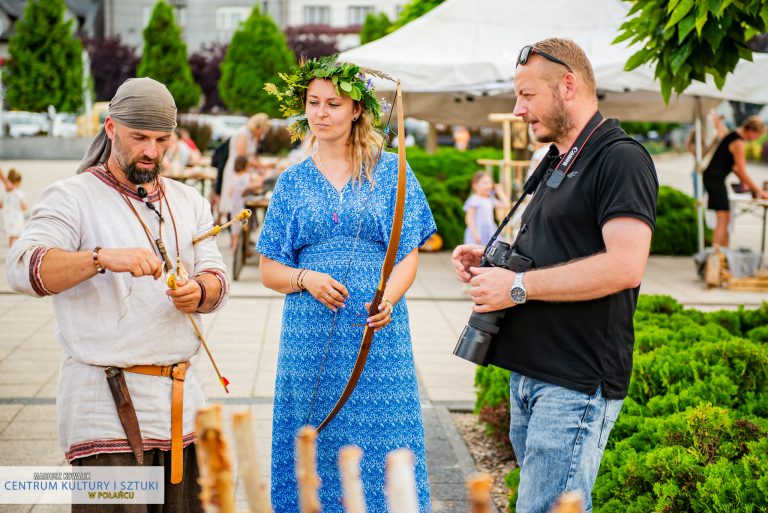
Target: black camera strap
556,177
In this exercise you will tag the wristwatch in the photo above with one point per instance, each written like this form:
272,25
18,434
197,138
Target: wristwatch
518,293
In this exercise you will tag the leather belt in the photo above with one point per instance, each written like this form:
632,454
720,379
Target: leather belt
177,373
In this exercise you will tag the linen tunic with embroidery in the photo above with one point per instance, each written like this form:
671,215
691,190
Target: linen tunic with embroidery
311,225
114,318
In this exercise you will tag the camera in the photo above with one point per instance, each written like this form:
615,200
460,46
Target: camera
475,340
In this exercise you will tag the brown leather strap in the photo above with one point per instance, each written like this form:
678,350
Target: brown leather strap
176,372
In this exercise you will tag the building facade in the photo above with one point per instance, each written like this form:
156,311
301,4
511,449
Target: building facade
214,21
206,21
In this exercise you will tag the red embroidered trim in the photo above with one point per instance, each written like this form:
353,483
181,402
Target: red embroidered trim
85,449
100,172
34,271
224,286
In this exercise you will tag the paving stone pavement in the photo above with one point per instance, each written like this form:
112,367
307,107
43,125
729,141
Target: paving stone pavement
244,338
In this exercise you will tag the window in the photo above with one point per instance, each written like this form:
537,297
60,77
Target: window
317,15
357,14
228,19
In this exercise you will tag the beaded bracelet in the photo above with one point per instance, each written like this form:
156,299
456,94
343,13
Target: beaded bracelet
99,268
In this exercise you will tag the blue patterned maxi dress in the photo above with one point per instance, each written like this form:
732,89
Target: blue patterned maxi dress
383,413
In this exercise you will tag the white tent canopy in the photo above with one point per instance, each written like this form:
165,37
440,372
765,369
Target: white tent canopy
456,63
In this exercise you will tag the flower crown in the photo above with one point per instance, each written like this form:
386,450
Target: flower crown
349,79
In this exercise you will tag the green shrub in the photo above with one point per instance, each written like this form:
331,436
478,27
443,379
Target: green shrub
446,209
675,232
704,459
164,57
692,433
512,480
445,177
45,66
257,53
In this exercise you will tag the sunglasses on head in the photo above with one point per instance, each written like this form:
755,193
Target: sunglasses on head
526,52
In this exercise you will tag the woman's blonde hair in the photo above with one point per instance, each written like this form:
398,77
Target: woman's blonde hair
754,123
365,143
258,122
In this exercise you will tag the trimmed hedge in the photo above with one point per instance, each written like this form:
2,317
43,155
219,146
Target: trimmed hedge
675,232
446,176
692,435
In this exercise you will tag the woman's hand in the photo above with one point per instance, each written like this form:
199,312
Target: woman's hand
382,318
325,289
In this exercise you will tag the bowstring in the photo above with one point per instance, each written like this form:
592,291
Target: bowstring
386,133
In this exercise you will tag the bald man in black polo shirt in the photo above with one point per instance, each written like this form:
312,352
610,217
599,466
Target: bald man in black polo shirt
567,334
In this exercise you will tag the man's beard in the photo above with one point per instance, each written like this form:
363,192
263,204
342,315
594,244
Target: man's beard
558,120
133,173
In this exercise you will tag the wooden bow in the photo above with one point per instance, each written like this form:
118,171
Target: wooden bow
386,269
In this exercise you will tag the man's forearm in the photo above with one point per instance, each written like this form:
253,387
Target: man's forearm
581,280
212,291
62,270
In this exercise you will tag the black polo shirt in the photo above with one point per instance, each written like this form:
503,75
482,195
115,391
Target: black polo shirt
580,345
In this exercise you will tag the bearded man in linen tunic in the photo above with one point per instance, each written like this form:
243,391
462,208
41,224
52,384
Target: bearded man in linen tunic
126,316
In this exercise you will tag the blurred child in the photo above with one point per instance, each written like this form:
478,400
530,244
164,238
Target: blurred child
486,196
240,182
14,205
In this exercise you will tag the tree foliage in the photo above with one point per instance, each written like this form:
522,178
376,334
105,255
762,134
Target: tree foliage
312,41
206,69
412,10
165,57
690,39
692,436
374,27
112,63
256,54
45,66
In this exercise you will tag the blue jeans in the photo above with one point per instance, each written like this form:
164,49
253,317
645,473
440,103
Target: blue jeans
559,436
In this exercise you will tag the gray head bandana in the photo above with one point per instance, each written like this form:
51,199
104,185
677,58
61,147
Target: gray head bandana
140,103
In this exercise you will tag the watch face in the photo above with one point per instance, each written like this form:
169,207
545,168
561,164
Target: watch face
517,294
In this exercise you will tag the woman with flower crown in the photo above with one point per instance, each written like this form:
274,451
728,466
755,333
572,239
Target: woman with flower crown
322,245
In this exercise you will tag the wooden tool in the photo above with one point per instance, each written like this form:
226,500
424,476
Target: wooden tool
349,464
306,471
250,470
401,482
217,491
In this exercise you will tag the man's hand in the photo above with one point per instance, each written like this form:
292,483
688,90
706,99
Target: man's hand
490,288
464,257
186,295
137,261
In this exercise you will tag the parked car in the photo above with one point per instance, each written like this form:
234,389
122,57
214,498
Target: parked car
222,127
24,124
99,112
65,125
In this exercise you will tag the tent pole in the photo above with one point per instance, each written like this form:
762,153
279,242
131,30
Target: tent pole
431,139
698,185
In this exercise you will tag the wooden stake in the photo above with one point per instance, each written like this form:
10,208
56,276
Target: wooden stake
569,502
217,491
306,471
349,464
401,482
479,487
250,470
